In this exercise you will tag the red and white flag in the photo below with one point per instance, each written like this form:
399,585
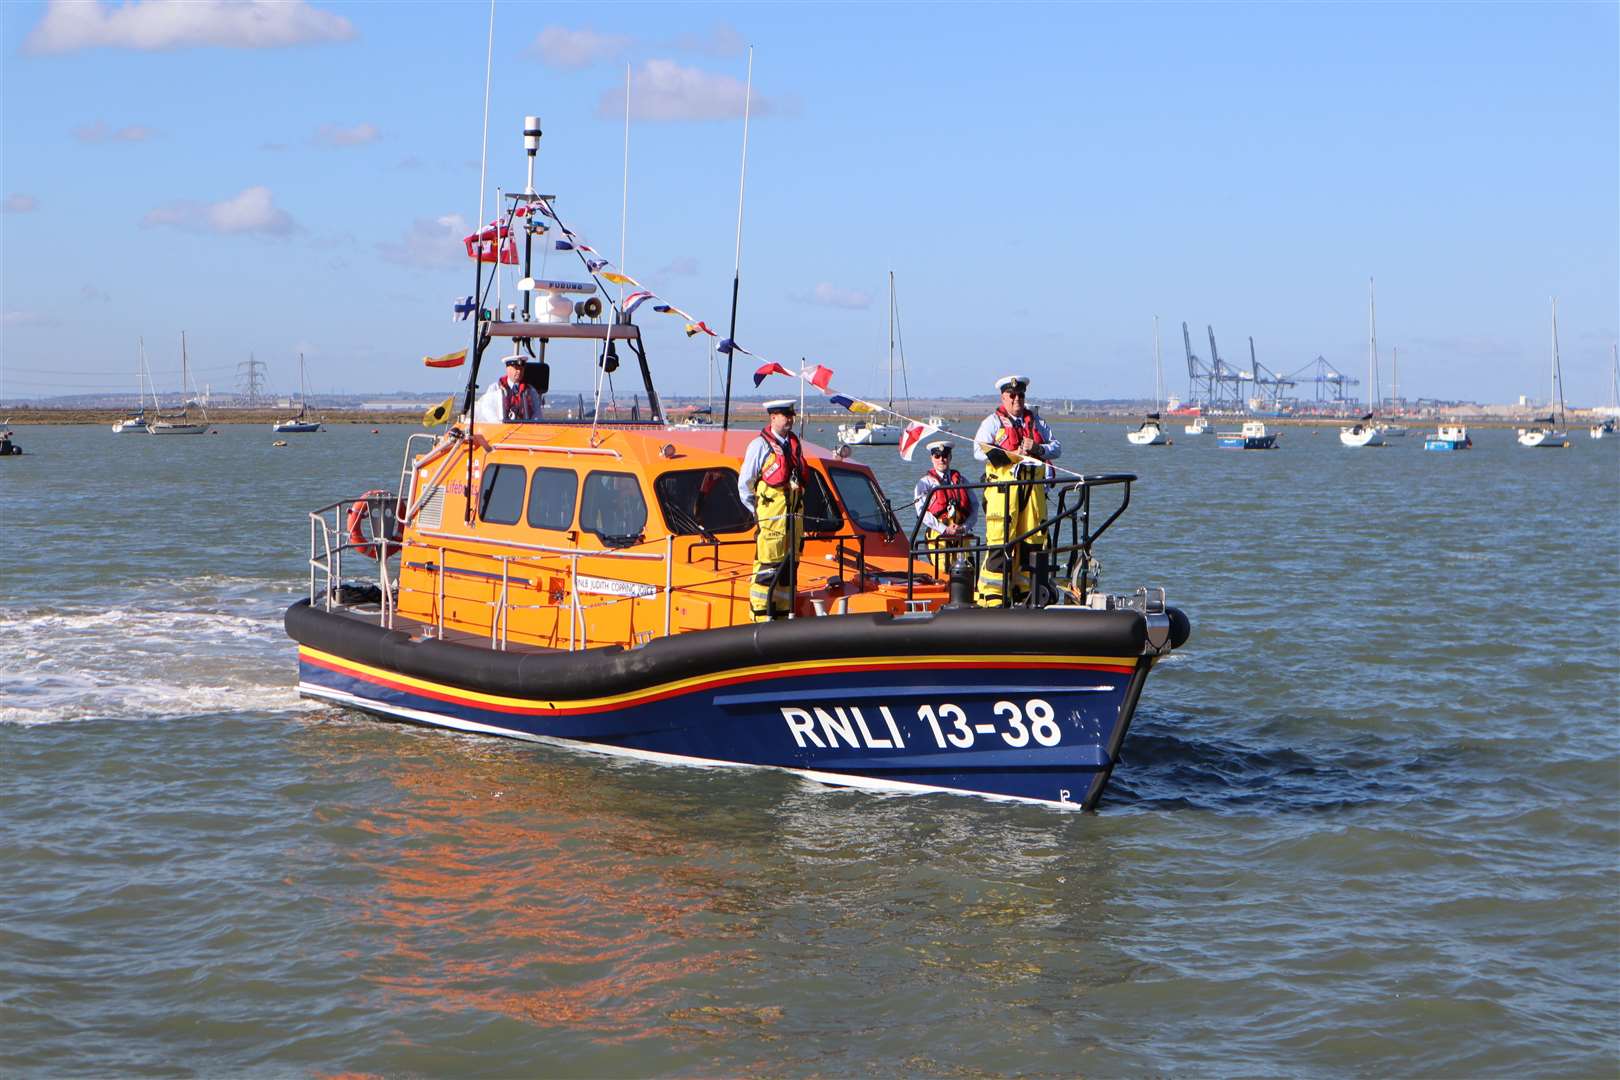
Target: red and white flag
819,377
913,436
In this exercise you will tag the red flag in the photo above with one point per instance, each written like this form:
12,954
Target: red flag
482,246
912,436
769,369
820,377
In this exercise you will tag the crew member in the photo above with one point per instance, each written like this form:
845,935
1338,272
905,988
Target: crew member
771,486
946,512
509,397
1015,445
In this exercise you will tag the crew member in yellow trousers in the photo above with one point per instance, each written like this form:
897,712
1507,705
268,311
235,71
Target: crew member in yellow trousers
771,485
1014,444
946,513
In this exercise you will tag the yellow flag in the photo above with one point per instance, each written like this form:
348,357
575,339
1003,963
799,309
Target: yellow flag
440,413
861,406
618,278
455,359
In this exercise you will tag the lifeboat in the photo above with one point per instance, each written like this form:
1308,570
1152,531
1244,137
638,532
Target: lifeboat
583,583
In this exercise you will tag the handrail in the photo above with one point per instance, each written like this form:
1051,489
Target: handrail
1078,517
597,451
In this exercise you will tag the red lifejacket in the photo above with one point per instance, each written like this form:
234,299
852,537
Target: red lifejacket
514,401
1014,432
942,498
779,465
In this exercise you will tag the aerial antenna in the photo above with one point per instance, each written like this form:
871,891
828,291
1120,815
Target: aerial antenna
624,225
478,265
736,275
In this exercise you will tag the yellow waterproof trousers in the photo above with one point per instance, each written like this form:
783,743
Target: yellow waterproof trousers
780,512
1009,512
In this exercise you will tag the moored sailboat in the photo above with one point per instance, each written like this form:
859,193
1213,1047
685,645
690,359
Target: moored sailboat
1604,429
181,423
1550,433
1365,432
867,431
1151,431
136,420
302,422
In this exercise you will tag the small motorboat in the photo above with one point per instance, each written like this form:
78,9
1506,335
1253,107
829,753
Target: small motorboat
1252,436
1604,430
1449,437
8,448
1149,433
1198,427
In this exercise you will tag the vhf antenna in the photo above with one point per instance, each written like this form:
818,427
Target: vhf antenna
531,146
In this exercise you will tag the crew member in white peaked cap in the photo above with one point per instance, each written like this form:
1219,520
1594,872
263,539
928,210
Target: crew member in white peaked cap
771,485
1015,444
946,510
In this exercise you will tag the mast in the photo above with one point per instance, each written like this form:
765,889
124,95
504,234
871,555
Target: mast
1158,367
891,342
1557,381
736,272
1372,346
1614,377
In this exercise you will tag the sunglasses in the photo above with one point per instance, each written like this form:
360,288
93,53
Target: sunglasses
939,453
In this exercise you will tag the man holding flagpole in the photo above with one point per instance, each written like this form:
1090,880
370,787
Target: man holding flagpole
771,486
1015,445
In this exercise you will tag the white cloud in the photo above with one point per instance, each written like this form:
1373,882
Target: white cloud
251,211
99,132
428,243
664,90
358,135
18,203
829,295
720,40
149,25
27,318
573,49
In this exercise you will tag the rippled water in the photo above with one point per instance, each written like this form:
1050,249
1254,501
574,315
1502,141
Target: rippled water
1367,820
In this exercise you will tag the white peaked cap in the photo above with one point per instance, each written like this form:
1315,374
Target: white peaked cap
1008,382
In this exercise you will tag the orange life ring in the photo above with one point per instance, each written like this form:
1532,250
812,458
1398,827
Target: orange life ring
359,514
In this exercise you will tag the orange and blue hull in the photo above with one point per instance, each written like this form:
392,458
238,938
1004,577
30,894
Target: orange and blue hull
1042,727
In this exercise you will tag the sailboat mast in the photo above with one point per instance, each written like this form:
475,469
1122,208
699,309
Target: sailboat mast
1395,377
1158,368
1372,345
1557,390
891,341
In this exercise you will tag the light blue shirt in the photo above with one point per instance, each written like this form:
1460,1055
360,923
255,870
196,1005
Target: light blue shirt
990,431
753,463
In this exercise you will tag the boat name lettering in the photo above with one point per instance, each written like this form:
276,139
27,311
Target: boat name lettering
840,725
614,587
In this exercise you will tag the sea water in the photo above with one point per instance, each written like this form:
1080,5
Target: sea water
1366,821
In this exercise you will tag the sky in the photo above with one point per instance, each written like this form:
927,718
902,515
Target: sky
1042,180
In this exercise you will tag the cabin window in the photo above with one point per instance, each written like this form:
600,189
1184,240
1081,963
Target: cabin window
865,503
613,508
821,514
702,501
551,499
500,500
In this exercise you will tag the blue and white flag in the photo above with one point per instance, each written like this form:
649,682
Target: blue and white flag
463,309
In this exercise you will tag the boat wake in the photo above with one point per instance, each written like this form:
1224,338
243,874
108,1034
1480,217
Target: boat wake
72,664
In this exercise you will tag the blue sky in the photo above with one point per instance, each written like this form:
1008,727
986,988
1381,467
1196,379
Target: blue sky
1042,179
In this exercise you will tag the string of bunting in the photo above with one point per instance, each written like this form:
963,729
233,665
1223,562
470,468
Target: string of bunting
482,245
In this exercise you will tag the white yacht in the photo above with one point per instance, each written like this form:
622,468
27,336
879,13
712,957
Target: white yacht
181,423
867,432
1151,432
1364,432
1549,432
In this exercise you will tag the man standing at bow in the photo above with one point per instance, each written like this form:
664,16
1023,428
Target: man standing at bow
946,513
1015,445
509,398
771,486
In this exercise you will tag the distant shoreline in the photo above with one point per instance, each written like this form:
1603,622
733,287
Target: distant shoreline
403,418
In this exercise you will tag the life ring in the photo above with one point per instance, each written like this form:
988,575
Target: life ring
359,515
